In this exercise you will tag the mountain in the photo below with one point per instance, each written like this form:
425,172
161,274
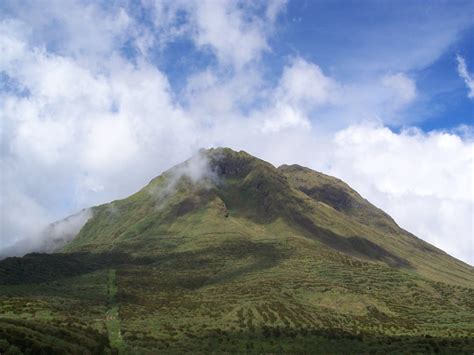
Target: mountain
227,253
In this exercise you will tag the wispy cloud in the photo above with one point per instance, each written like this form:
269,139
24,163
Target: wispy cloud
403,87
466,76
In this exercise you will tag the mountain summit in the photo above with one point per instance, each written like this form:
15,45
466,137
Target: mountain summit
232,194
226,252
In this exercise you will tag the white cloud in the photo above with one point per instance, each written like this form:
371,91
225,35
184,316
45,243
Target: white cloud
274,8
229,29
71,27
466,76
222,25
302,89
283,117
423,180
404,88
303,82
76,128
211,94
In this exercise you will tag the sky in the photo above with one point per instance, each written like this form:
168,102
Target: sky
99,97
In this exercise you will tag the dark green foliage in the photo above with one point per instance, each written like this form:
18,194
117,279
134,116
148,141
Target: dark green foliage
38,337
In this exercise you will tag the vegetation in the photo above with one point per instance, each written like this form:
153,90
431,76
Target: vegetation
249,259
112,316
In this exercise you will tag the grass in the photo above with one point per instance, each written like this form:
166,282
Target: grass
112,320
56,316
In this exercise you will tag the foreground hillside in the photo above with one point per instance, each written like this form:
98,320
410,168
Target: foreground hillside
227,253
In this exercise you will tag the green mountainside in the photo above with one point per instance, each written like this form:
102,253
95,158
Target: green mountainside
226,253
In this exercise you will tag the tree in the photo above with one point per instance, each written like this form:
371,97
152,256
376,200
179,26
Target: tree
13,350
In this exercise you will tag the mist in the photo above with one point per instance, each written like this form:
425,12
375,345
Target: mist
50,238
197,169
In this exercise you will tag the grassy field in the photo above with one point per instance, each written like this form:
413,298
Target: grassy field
263,260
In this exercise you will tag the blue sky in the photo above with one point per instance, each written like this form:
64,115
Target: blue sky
355,41
97,98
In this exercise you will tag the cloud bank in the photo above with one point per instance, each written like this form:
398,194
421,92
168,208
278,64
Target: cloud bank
89,114
425,180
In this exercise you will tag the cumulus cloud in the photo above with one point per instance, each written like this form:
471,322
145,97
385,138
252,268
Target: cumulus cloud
423,180
221,25
303,82
302,90
466,76
282,117
218,26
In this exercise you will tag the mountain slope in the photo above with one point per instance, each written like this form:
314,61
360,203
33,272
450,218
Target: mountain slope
227,253
422,257
235,190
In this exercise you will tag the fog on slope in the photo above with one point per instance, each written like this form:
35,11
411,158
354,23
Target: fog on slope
50,238
196,169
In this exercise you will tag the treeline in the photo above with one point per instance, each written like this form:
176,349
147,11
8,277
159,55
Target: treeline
268,339
41,267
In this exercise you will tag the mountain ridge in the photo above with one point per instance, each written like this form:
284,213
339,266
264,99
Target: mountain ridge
320,205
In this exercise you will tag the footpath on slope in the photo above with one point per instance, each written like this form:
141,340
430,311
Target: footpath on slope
112,321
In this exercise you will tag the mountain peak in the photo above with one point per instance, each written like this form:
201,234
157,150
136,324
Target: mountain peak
227,162
220,188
